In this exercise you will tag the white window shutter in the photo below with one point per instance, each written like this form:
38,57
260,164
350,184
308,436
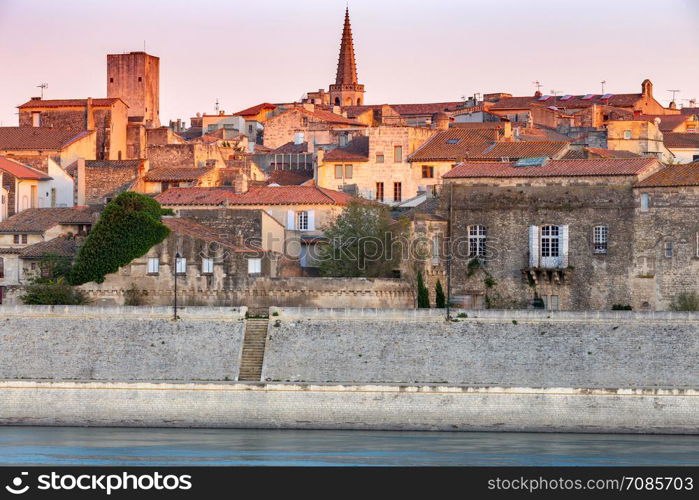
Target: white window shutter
290,220
563,230
533,246
311,220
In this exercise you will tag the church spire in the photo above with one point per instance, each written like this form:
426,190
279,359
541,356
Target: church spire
346,66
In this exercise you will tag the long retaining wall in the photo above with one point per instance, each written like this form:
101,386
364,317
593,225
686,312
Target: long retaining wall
501,348
120,343
372,407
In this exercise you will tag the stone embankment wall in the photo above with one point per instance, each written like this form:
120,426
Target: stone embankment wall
501,348
125,343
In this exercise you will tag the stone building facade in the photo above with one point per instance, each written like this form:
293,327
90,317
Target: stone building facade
561,235
135,79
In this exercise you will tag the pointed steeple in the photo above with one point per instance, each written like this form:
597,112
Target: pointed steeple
346,66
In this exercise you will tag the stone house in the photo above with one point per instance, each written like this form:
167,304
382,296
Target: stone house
558,233
96,182
34,146
26,187
376,165
683,146
642,137
107,117
666,237
213,265
300,211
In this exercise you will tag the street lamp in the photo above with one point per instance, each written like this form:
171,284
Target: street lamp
174,308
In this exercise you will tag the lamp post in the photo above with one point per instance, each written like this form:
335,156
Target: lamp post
174,308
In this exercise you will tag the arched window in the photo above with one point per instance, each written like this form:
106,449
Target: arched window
476,241
359,102
337,101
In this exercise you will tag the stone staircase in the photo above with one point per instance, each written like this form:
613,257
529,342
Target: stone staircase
253,349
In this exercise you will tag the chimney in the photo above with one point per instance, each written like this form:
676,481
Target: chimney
80,197
90,118
298,138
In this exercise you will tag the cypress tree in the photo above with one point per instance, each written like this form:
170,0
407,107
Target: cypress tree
439,297
423,295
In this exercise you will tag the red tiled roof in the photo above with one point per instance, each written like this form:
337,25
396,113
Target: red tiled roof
107,164
668,123
681,140
429,108
587,153
167,174
521,149
672,176
356,150
64,103
689,111
254,110
61,246
454,144
265,195
479,125
21,171
38,220
38,138
329,117
261,149
195,230
289,177
554,168
574,102
290,148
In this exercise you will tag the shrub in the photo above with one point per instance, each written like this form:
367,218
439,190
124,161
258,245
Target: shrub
53,292
622,307
133,296
423,295
439,297
128,227
685,301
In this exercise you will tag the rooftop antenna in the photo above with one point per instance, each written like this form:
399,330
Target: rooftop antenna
43,86
603,82
674,93
692,101
538,85
216,106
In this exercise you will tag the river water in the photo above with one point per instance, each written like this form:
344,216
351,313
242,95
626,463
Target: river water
162,447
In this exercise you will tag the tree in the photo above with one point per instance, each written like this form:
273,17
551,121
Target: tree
128,227
423,295
49,286
685,301
439,297
363,241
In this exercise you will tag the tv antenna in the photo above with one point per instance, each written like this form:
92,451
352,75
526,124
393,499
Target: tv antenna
538,85
43,86
216,106
603,82
674,93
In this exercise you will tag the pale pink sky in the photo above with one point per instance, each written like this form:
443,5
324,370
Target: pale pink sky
247,52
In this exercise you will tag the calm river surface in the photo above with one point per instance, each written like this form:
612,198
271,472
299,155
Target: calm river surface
162,447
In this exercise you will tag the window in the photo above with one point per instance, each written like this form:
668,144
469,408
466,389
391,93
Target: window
153,265
16,239
669,250
207,266
397,191
254,266
379,157
302,221
645,202
397,154
338,171
627,134
2,267
427,172
140,79
600,236
111,80
453,141
348,171
550,246
343,140
181,265
36,119
550,302
435,250
20,238
476,241
379,191
304,121
249,129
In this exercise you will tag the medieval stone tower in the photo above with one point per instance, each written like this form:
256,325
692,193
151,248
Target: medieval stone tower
135,78
346,91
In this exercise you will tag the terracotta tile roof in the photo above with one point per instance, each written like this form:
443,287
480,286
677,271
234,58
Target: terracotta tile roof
64,103
167,174
355,111
681,140
427,210
38,220
329,117
574,102
106,164
587,153
479,125
289,177
20,170
261,149
61,246
356,150
195,230
668,123
254,110
521,149
555,168
429,108
540,134
454,144
689,111
673,176
264,195
38,138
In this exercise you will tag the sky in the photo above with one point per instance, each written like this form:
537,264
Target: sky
246,52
